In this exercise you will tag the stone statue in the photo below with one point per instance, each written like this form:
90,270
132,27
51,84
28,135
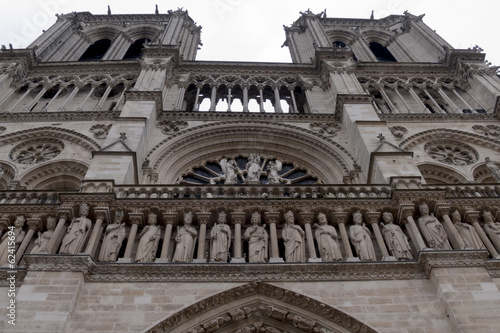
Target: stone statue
396,240
492,228
43,239
467,232
293,236
77,232
326,236
273,169
113,239
148,245
19,237
185,240
432,230
361,238
221,240
494,169
253,169
256,236
230,169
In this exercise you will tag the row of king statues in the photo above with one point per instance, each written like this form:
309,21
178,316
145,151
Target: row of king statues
294,237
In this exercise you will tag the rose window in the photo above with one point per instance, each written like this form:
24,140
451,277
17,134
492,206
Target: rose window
36,151
451,152
247,169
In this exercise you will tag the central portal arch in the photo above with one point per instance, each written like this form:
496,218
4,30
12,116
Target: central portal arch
261,308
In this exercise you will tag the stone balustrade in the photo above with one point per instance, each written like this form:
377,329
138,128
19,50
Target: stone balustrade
29,198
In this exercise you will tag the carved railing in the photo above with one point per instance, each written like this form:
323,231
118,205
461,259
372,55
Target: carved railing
468,191
29,198
250,191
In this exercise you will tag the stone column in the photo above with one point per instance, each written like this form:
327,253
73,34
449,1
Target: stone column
196,98
229,99
406,212
373,219
46,108
306,218
238,219
35,224
57,236
203,220
245,99
82,106
136,219
70,98
169,224
472,217
294,102
339,218
19,100
453,235
272,219
213,97
101,214
277,102
35,100
261,93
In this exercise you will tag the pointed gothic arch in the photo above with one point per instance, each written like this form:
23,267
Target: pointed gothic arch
325,158
59,175
260,307
438,174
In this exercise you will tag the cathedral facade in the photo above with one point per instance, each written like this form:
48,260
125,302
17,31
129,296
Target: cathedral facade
355,189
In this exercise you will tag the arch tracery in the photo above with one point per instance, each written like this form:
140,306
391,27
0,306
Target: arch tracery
260,307
325,158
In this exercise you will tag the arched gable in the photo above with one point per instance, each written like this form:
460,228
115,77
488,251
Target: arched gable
59,175
444,133
436,174
256,306
327,159
50,131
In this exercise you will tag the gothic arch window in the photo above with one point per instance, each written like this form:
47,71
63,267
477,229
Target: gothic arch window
135,50
7,174
58,175
96,51
381,52
435,174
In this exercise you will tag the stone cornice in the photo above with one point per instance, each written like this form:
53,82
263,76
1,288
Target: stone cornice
343,271
246,116
18,273
25,117
434,118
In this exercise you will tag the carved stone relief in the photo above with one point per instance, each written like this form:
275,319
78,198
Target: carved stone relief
170,127
398,131
100,130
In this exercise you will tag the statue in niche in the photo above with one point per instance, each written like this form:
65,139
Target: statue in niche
77,232
221,240
493,168
42,241
19,237
253,169
148,245
492,228
396,240
185,240
293,236
360,236
326,236
273,169
432,229
113,239
256,236
467,232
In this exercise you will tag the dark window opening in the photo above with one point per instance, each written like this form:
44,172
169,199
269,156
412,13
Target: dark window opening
339,45
96,51
135,50
381,52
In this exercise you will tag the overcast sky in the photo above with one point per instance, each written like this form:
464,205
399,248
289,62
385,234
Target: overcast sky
241,30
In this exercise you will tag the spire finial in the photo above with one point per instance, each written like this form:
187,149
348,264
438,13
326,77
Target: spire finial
156,10
109,10
372,16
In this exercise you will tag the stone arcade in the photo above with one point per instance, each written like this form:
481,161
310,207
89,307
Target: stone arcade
352,190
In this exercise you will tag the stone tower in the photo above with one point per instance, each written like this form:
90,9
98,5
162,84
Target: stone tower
355,189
